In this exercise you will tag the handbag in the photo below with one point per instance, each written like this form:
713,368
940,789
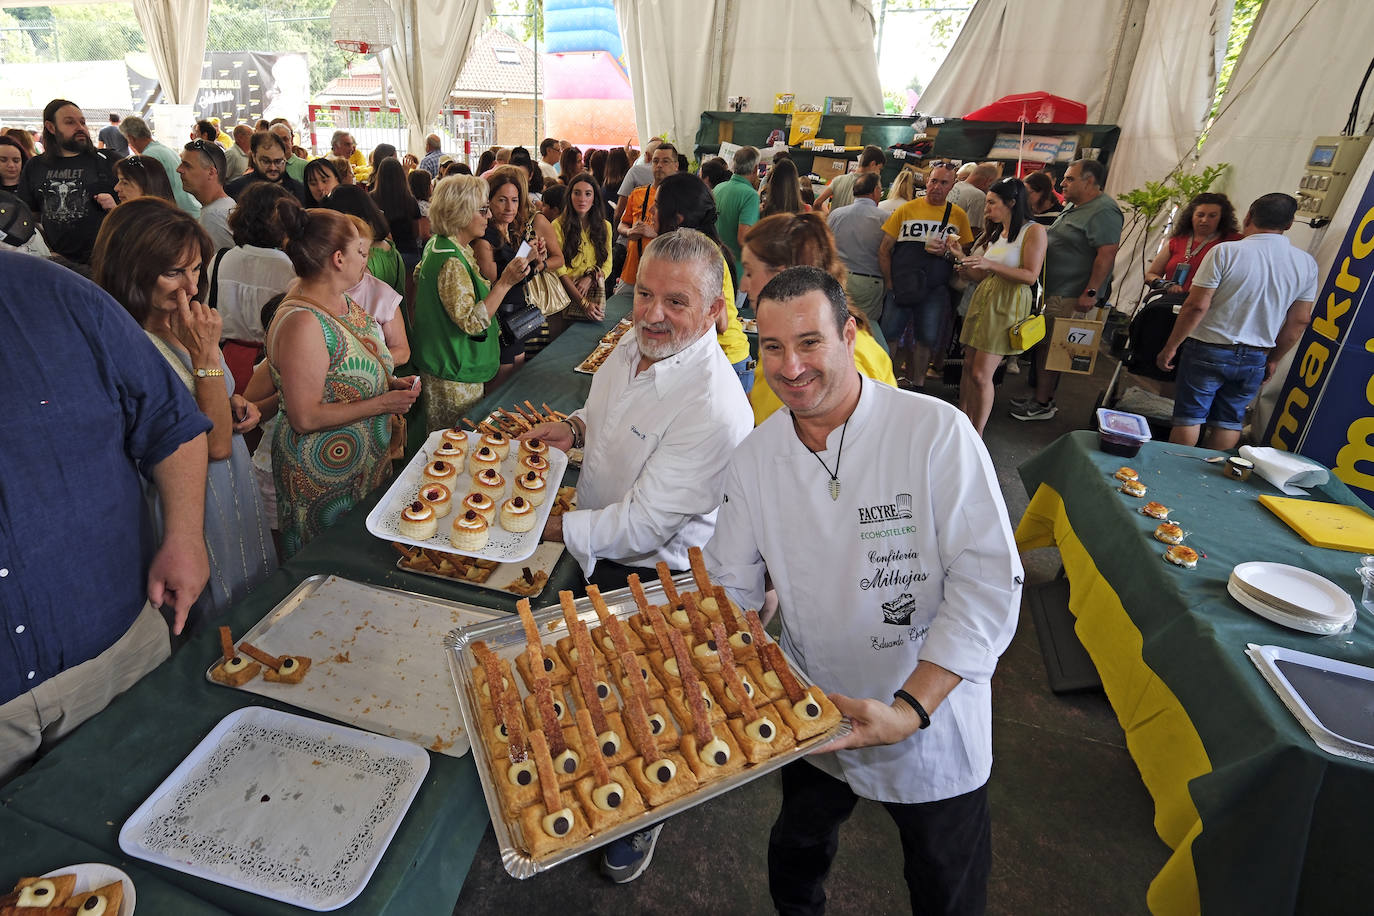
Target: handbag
1030,330
915,273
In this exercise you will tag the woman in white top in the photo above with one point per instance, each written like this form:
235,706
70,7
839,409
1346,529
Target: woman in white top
907,186
1004,274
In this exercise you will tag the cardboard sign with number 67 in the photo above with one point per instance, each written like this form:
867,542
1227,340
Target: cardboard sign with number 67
1073,342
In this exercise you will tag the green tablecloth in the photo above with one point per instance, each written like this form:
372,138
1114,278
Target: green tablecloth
1279,821
70,806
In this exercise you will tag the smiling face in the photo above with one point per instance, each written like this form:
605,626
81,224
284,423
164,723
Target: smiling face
505,204
669,311
808,362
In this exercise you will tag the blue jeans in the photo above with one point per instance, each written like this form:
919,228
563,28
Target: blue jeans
1216,382
745,370
927,317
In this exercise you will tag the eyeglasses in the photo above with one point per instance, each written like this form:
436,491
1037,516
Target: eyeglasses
484,210
271,163
198,144
944,164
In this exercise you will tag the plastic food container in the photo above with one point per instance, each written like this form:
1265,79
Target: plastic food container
1121,433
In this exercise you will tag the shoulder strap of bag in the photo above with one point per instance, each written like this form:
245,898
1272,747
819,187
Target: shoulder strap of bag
214,278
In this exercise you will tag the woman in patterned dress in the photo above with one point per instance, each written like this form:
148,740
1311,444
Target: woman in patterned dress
331,364
151,257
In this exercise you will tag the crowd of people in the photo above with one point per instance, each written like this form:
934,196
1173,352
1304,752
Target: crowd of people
305,322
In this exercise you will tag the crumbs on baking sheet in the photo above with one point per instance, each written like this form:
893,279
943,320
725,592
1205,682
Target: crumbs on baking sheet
342,658
440,745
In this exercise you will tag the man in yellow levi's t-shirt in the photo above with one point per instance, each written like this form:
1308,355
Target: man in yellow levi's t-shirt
912,257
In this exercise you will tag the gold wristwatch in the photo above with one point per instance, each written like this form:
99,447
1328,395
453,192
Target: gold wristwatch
209,373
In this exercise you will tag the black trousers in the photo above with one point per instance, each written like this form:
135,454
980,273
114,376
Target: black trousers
609,576
946,845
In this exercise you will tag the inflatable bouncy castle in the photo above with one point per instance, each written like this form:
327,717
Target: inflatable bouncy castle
587,95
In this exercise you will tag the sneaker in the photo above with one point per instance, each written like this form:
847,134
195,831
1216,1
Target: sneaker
627,858
1036,411
1013,367
1021,403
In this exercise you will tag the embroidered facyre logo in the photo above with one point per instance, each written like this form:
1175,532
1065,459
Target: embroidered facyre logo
899,508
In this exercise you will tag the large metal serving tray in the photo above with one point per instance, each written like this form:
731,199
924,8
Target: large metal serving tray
506,638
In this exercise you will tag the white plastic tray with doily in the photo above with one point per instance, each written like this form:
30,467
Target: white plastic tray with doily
502,546
293,809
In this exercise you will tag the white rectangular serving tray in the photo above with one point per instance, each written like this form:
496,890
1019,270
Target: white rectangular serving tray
376,658
506,638
290,808
1265,658
503,546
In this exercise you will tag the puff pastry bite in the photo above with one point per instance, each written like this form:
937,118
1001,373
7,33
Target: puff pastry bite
556,820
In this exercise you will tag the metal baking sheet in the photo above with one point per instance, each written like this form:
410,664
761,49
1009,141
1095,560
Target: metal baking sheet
507,639
604,346
276,804
543,560
376,658
503,546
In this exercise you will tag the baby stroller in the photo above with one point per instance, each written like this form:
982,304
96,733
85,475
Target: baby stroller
1138,385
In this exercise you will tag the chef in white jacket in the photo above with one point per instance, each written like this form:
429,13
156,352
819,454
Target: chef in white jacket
877,515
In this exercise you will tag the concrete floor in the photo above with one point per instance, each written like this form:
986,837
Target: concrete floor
1072,823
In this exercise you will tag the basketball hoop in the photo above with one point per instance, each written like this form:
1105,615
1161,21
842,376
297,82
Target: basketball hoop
360,27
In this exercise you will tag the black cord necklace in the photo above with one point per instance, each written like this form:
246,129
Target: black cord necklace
839,456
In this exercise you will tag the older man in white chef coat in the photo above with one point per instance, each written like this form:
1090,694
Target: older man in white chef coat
877,514
659,424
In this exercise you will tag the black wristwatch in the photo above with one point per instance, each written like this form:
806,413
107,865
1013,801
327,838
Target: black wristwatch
1090,292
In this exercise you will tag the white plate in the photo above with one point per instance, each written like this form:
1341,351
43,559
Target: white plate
1304,624
503,546
375,658
275,804
1266,658
1297,591
90,875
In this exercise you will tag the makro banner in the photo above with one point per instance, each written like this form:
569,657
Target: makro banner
1325,409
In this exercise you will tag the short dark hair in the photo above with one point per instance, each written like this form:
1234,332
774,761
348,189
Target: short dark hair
865,184
520,156
746,161
872,155
668,146
114,117
312,236
1273,211
798,281
207,130
253,221
546,144
355,201
262,137
714,171
211,151
1096,169
139,240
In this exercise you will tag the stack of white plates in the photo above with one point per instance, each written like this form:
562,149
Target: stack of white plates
1292,597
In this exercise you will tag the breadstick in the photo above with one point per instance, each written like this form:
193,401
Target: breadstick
469,423
253,652
582,642
661,629
405,550
785,677
226,644
641,734
637,687
697,618
691,689
536,647
515,731
608,620
491,665
732,678
553,733
518,421
543,762
590,703
698,564
534,410
569,608
727,610
637,590
587,729
751,617
665,578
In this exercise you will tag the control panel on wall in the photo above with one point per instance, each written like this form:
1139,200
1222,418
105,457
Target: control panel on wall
1327,174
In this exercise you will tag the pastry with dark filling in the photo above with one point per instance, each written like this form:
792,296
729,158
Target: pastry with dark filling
556,820
660,776
103,901
808,712
565,747
661,725
548,665
759,733
709,750
46,894
608,796
234,670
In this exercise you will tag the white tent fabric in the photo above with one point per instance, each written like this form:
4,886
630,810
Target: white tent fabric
1008,46
1167,101
688,58
1294,82
431,39
175,32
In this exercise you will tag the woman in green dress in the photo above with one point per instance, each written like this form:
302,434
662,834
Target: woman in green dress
454,346
331,364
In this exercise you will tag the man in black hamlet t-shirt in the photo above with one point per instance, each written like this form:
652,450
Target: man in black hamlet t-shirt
61,184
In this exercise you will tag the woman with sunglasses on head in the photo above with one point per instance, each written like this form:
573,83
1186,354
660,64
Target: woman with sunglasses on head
150,257
321,178
137,176
455,346
514,220
267,162
585,237
331,364
1004,273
